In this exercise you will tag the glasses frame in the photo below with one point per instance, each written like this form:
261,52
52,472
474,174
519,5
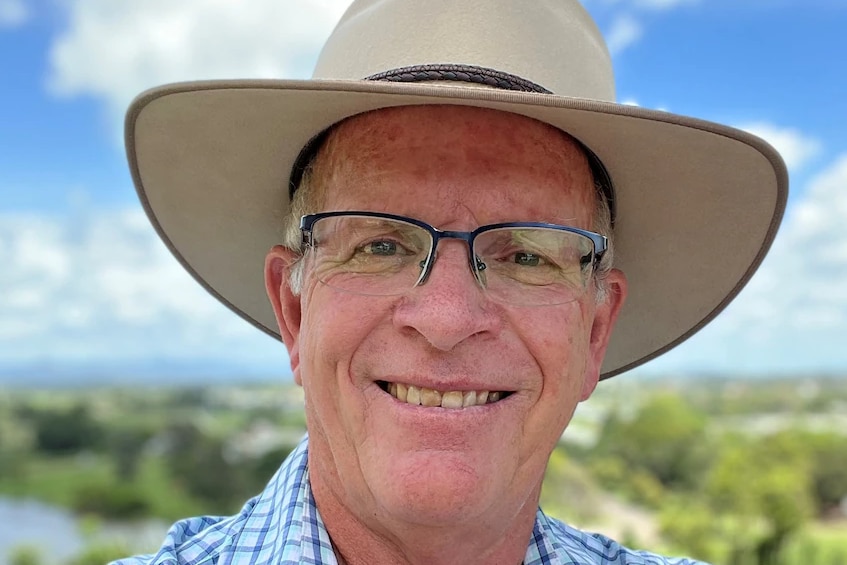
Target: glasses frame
308,221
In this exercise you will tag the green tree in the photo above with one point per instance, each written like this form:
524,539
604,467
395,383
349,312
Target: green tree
764,486
829,469
197,462
125,445
691,525
61,432
666,437
112,500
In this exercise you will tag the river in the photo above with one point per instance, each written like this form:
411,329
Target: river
57,534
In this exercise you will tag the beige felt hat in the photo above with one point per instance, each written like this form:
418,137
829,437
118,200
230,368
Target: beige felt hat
697,203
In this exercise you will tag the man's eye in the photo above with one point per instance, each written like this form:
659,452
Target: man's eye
382,248
386,248
526,259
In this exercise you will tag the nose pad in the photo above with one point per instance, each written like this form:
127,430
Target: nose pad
440,257
478,269
475,264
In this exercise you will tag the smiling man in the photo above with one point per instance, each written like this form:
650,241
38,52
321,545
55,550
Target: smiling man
433,406
441,268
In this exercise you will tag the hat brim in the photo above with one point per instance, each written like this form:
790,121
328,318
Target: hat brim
698,203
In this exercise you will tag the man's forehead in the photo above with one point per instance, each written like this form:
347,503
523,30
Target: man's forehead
421,122
459,134
501,161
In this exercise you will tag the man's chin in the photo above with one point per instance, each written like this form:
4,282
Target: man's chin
438,489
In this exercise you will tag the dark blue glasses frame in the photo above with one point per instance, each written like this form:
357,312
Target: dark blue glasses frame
308,221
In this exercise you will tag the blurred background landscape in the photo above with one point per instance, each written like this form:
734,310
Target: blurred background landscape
130,398
733,471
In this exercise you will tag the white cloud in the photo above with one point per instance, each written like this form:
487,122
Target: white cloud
114,50
13,13
622,20
624,32
101,286
795,147
793,314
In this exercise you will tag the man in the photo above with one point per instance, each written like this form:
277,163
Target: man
440,267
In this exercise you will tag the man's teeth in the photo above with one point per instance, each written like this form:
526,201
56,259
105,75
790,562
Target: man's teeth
453,399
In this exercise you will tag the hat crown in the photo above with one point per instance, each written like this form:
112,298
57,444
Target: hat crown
552,43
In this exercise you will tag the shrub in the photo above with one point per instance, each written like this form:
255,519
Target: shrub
110,500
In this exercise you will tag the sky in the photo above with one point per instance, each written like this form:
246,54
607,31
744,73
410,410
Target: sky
85,285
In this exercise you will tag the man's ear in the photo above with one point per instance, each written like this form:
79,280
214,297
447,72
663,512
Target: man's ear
286,305
605,315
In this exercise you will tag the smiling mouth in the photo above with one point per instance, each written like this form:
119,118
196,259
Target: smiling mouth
451,399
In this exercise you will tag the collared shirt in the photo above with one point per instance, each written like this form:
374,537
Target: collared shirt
282,526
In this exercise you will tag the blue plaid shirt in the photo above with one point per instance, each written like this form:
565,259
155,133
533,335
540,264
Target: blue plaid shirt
282,526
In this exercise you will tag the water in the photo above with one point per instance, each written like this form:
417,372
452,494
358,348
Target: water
27,522
57,533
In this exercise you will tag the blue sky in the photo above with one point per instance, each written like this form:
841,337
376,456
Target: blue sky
85,283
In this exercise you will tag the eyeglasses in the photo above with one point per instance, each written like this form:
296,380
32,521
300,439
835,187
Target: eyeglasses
520,263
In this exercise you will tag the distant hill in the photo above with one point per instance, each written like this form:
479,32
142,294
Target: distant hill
148,372
181,372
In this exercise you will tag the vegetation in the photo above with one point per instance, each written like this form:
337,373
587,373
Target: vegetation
731,472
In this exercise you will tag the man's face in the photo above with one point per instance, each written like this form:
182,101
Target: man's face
387,460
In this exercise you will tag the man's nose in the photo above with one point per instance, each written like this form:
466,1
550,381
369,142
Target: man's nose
451,306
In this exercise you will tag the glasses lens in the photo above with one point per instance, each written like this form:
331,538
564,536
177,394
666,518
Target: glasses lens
534,266
367,255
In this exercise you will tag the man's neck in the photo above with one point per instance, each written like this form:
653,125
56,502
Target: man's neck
484,541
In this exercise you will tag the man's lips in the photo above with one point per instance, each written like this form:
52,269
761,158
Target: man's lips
450,399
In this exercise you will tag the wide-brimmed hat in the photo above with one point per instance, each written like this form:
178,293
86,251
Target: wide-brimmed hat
697,203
